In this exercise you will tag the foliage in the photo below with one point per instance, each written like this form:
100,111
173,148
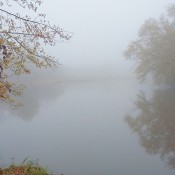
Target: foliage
154,123
24,170
154,49
27,167
22,41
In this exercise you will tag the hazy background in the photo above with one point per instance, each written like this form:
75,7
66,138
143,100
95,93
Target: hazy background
73,117
102,29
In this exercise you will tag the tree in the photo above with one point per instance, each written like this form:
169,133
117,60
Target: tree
22,41
154,49
154,123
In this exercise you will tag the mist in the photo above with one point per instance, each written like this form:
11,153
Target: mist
101,32
73,118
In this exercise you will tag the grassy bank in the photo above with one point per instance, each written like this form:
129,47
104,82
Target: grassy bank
22,169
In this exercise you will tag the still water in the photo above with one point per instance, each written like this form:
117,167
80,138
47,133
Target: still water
80,128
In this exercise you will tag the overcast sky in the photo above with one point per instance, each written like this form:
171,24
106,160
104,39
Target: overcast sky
102,29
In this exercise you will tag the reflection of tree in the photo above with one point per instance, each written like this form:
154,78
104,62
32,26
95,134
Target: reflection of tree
34,97
155,123
155,54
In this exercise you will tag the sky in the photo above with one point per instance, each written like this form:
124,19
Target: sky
102,30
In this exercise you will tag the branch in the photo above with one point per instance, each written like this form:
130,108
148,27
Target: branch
24,19
35,22
36,55
20,33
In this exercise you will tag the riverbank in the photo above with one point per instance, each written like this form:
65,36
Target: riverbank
27,169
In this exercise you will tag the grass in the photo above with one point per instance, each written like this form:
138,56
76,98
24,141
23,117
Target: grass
24,169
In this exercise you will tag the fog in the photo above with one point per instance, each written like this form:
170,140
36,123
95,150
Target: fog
101,29
74,119
101,32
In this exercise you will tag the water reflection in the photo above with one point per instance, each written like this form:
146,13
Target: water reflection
155,117
34,97
45,86
154,123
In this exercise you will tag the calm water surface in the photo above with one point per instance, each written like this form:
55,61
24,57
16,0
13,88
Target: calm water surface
79,128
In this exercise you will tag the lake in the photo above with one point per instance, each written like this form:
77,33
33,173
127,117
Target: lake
79,127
